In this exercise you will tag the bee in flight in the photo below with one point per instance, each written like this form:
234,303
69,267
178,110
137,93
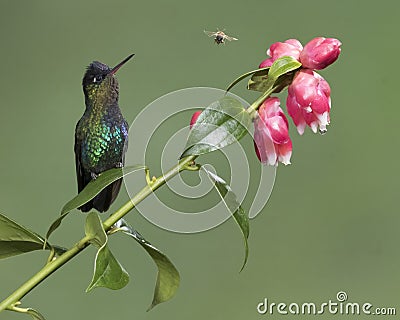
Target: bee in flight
219,36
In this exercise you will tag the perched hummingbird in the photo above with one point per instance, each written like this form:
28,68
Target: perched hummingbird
101,135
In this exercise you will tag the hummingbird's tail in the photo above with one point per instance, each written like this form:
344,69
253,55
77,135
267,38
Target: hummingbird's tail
104,199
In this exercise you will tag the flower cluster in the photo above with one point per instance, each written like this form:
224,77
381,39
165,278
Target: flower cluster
308,101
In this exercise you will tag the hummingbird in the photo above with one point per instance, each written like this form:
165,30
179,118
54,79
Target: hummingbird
101,134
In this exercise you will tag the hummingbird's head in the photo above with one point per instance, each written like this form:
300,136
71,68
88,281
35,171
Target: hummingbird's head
99,80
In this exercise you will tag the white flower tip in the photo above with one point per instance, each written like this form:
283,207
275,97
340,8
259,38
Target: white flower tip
272,162
314,126
285,159
267,163
300,128
322,128
323,119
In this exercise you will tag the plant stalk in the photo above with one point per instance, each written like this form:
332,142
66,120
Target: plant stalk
55,264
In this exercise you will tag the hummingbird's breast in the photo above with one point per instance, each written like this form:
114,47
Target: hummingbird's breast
103,139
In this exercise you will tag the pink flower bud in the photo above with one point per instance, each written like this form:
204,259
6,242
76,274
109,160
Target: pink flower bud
308,101
291,47
271,134
320,53
266,63
194,118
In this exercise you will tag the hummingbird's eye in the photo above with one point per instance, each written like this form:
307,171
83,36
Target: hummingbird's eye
97,78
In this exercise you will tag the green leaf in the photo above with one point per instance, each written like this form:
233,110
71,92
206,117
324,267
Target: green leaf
167,277
278,76
264,78
245,75
219,125
108,271
92,189
258,82
230,200
282,66
16,239
283,81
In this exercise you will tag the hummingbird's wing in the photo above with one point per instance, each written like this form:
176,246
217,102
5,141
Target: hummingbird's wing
78,167
82,177
125,143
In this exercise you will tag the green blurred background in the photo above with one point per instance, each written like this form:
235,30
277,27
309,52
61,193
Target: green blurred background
332,221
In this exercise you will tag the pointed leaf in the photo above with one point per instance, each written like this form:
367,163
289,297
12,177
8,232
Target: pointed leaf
92,189
230,200
279,75
16,239
245,75
259,82
167,276
108,271
219,125
283,65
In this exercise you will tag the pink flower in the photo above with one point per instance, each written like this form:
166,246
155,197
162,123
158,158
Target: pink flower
194,118
320,53
271,134
291,47
308,101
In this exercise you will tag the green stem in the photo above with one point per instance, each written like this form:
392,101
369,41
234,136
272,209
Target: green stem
256,104
53,265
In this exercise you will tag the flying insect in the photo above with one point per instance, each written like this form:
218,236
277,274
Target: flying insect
219,36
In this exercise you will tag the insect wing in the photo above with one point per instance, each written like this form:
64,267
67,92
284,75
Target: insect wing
230,38
210,33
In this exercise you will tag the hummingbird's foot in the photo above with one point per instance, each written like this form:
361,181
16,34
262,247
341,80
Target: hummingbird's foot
119,165
93,175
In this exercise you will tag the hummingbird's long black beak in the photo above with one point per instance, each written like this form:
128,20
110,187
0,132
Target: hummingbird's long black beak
119,65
